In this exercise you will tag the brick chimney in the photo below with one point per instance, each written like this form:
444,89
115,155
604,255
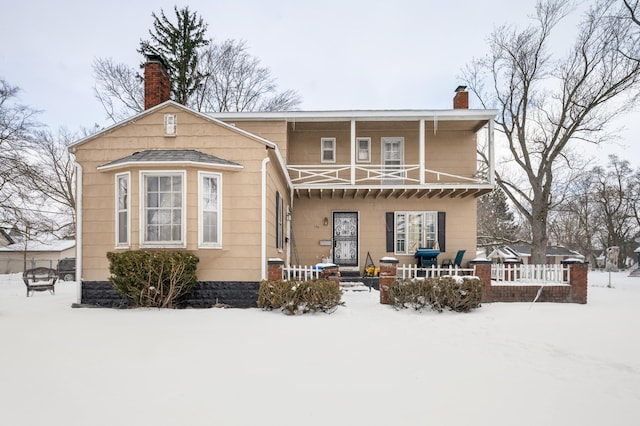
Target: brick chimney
157,85
461,99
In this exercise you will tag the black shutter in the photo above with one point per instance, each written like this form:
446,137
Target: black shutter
441,231
390,231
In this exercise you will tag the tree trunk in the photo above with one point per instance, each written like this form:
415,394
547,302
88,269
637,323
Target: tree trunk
539,235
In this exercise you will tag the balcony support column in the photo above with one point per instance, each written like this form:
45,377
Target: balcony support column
492,178
353,152
421,152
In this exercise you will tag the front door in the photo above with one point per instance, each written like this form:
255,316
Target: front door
345,238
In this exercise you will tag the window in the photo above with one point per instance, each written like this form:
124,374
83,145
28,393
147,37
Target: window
163,208
209,211
170,124
279,221
328,149
414,230
122,210
363,147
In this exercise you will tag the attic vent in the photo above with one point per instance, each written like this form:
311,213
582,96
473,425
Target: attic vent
170,124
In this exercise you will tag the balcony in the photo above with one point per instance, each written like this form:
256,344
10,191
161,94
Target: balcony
363,181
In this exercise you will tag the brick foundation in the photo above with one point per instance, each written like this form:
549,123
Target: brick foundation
206,294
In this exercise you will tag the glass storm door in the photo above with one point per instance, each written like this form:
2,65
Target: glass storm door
345,238
392,160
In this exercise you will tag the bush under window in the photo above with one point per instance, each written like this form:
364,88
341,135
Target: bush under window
153,278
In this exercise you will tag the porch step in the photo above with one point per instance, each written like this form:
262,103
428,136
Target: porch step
350,276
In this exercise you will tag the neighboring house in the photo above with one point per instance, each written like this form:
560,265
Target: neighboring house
522,254
36,253
238,189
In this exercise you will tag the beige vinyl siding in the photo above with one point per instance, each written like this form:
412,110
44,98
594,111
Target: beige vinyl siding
239,257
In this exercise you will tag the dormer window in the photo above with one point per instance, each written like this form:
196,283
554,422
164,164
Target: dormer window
170,124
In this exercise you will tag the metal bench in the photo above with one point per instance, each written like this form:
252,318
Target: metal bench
40,279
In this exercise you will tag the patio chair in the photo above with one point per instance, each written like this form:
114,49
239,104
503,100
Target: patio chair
40,279
456,263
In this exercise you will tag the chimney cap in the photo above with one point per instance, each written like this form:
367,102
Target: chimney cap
156,58
461,88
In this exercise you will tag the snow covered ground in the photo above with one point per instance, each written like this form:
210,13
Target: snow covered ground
365,364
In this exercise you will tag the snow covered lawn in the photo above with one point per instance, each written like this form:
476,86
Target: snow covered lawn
365,364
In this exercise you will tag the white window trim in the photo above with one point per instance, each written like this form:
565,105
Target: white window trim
142,224
333,149
170,124
201,243
395,231
368,140
118,243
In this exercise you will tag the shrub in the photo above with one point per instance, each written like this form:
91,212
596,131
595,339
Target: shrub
153,278
460,294
294,297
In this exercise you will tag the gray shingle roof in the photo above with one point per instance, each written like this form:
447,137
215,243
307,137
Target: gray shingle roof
171,156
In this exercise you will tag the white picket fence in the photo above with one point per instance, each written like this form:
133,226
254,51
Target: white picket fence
509,273
414,271
530,274
301,272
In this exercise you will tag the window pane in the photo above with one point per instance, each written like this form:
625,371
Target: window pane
164,183
152,199
210,229
164,232
122,228
152,183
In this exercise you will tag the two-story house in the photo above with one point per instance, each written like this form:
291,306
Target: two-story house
238,189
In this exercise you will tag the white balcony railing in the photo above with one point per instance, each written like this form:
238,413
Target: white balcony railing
408,174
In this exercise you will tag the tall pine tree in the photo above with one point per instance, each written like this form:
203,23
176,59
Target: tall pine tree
496,222
178,45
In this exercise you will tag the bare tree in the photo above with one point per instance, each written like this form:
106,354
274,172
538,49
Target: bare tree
548,105
49,175
235,81
614,189
17,122
573,223
119,88
206,76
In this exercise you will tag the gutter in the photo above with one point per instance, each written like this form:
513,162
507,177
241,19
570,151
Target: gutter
79,231
263,241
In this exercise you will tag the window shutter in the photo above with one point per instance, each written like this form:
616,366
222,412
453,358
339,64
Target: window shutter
441,230
390,231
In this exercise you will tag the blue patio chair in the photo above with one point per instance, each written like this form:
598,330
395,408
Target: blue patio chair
457,262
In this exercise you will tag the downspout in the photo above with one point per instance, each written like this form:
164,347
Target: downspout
79,232
263,242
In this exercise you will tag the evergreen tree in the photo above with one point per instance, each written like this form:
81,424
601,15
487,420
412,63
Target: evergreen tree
496,222
178,44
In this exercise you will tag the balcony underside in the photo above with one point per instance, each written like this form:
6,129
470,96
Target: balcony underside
390,192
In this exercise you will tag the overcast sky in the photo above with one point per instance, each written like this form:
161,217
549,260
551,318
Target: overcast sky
396,54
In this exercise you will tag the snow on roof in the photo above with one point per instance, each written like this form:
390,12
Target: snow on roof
53,245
